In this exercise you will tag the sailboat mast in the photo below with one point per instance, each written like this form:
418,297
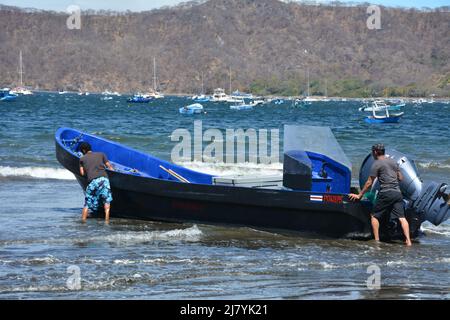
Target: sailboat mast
203,86
308,81
326,87
21,68
154,74
230,81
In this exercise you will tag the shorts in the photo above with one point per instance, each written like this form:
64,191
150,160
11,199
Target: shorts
98,193
389,202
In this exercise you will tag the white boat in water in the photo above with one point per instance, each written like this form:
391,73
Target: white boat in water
154,94
219,95
21,90
380,105
195,108
242,106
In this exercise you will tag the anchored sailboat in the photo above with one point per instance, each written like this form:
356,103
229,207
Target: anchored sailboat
21,89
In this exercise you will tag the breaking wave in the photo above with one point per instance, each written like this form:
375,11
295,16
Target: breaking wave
433,165
36,173
190,234
234,169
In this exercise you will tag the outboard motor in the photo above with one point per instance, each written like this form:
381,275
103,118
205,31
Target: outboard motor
428,200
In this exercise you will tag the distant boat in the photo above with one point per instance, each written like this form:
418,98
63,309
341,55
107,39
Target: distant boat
21,90
138,98
63,92
278,101
380,105
302,102
7,96
201,98
154,94
237,94
106,98
242,106
195,108
219,95
385,118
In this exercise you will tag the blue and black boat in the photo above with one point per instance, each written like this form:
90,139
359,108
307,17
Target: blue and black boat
7,96
139,99
309,197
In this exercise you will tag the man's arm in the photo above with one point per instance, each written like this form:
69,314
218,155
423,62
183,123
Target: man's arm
367,186
82,171
399,175
109,166
107,163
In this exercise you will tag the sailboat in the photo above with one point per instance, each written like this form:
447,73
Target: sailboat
230,98
201,97
154,94
21,89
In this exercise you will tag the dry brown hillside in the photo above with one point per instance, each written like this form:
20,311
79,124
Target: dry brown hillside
263,41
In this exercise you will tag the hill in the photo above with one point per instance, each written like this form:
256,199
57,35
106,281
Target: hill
268,44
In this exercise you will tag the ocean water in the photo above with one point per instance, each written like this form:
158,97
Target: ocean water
42,239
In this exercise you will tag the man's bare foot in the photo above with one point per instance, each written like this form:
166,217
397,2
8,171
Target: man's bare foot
408,243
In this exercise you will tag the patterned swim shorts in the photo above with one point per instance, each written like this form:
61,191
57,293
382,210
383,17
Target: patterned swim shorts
98,193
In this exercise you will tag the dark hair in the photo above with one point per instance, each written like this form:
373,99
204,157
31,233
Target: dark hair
378,149
85,147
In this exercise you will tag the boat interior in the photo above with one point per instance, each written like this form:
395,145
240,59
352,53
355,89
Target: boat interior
302,170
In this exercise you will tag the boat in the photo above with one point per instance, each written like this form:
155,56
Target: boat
139,98
219,95
242,106
195,108
201,97
63,92
21,90
380,105
154,93
278,101
302,102
385,118
7,96
241,95
310,197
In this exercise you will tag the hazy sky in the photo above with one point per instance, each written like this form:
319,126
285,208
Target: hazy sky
139,5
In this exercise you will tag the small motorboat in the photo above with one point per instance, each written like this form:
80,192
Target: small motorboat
242,107
7,96
278,101
138,98
311,195
195,108
385,118
201,98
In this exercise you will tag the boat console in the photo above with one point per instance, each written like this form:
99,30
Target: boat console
314,161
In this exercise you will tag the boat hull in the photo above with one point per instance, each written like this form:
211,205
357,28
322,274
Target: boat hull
385,120
282,211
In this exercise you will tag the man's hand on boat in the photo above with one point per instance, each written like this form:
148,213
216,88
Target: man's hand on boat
354,197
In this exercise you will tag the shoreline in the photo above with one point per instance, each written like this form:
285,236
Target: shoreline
409,99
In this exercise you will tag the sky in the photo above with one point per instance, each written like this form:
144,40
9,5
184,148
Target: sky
142,5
